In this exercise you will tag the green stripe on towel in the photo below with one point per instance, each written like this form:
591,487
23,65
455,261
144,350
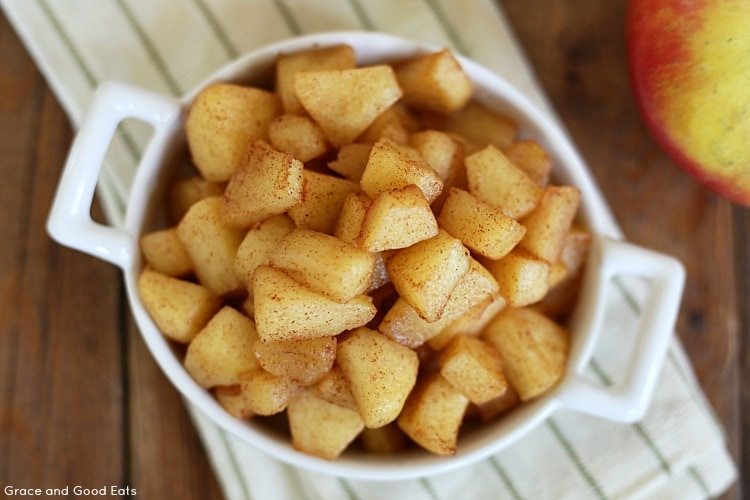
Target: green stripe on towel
150,48
596,488
86,72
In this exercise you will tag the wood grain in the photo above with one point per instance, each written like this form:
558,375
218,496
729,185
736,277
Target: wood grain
167,459
58,352
81,400
742,258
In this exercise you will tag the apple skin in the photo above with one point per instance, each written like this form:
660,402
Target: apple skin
689,64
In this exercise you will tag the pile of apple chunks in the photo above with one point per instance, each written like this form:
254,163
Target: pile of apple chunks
368,250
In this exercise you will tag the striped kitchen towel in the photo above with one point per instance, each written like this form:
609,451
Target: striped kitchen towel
678,450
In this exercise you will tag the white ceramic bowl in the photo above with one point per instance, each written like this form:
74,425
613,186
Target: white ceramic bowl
71,225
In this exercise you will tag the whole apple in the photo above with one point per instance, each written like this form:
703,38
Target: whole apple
690,71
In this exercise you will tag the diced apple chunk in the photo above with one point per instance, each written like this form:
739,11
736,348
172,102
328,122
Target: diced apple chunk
267,183
352,218
404,324
495,180
212,245
230,398
299,136
397,219
334,387
434,82
286,309
548,225
322,199
221,121
303,361
179,308
433,414
391,124
473,367
532,159
500,405
346,102
392,166
266,393
322,428
386,439
326,264
472,322
480,226
441,152
533,349
483,126
259,244
288,65
223,350
425,274
523,278
381,373
351,161
186,192
164,252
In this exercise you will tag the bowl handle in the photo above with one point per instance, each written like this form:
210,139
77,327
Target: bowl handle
70,221
628,401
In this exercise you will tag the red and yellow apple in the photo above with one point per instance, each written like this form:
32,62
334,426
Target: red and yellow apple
690,70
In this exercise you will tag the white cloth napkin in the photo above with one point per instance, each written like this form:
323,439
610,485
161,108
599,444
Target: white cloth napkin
677,451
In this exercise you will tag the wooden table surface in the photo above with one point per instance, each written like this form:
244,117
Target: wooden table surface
82,402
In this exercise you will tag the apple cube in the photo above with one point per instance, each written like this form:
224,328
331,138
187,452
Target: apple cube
392,166
288,65
299,136
441,152
425,274
303,361
322,199
267,183
381,373
265,393
433,414
221,121
351,161
500,405
394,124
532,159
480,226
186,192
259,244
523,278
230,398
223,350
211,245
482,126
326,264
179,308
322,428
495,180
533,349
473,367
346,102
286,309
434,82
404,324
164,252
353,213
334,387
397,219
548,225
472,322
